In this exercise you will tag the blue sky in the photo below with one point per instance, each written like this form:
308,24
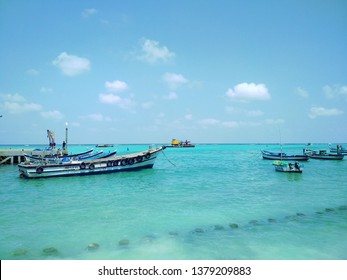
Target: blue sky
221,71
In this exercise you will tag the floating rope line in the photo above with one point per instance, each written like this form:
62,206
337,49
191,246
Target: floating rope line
168,159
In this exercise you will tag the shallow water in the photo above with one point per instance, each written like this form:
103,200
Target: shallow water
186,207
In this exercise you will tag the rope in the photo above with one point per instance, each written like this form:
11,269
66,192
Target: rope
168,159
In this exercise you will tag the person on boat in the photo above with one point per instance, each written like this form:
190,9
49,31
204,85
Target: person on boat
297,167
290,166
64,145
338,149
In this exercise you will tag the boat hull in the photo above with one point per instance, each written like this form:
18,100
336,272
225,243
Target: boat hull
287,170
131,162
288,167
279,156
327,157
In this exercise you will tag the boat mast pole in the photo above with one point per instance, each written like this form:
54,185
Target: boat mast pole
66,136
279,128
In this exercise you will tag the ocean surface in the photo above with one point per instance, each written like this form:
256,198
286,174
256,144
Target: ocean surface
211,202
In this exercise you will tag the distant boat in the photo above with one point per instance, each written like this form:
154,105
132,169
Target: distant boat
323,154
112,164
283,156
104,145
339,150
283,166
180,144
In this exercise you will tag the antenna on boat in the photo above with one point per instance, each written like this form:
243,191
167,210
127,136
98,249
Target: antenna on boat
66,136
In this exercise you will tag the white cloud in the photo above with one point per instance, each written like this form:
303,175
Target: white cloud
301,92
17,104
18,108
174,80
89,12
248,92
208,122
112,99
116,86
323,112
56,115
214,122
230,124
71,65
335,91
152,52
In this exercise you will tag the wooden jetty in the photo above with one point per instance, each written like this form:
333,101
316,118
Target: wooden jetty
13,156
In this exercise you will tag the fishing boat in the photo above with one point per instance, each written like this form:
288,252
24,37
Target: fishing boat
283,166
339,150
112,164
180,144
283,156
323,154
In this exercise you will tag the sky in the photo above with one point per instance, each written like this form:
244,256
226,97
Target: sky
208,71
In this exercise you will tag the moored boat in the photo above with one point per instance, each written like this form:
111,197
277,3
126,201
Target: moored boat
283,156
180,144
323,154
283,166
112,164
104,145
339,150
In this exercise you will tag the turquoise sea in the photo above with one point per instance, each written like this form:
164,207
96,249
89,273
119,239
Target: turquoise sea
213,202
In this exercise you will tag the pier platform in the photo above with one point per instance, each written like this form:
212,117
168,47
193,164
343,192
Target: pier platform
13,156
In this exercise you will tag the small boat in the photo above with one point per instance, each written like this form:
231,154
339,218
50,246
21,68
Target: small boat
283,166
72,167
283,156
180,144
323,154
104,145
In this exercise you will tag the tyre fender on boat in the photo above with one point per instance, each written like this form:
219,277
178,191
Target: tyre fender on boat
139,158
91,166
115,163
39,170
124,162
148,156
109,163
131,161
82,165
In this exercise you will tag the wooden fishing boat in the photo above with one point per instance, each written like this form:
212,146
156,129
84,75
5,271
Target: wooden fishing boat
289,167
128,162
323,154
283,156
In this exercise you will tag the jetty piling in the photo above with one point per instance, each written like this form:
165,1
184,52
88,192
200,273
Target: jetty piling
13,156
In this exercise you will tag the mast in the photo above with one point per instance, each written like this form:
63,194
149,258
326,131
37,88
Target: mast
66,136
279,128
